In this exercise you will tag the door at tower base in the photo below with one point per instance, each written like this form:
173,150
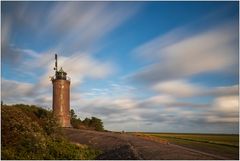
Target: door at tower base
61,101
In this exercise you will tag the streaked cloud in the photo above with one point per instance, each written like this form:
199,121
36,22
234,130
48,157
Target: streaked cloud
76,26
15,92
223,91
179,88
226,104
79,67
157,110
161,99
84,23
13,89
209,51
184,88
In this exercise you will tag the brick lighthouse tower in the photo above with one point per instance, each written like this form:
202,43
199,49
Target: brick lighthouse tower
61,96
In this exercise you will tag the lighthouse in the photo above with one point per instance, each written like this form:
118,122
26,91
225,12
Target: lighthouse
61,96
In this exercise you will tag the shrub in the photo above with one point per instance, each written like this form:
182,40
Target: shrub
93,123
30,132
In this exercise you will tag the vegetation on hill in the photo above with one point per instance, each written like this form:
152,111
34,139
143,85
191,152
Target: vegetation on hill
30,132
88,123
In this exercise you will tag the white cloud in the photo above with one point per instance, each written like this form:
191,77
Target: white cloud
13,89
79,67
6,31
210,51
217,119
69,28
226,104
183,88
106,102
222,91
73,25
223,109
126,103
160,99
178,88
14,92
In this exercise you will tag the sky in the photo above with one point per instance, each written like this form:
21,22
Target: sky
138,66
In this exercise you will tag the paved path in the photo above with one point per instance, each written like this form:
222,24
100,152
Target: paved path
125,146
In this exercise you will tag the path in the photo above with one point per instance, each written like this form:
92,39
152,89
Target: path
125,146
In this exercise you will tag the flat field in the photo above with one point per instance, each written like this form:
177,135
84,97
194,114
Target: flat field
225,145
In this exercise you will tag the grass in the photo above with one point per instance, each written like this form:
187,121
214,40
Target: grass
218,144
220,139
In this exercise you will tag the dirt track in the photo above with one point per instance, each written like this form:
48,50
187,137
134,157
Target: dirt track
125,146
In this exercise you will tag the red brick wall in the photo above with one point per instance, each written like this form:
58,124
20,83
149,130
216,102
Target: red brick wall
61,101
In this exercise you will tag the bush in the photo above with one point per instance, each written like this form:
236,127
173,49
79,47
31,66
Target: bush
93,123
67,151
96,123
30,132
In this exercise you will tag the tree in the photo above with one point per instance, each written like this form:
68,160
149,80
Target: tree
96,123
86,121
73,115
75,122
93,123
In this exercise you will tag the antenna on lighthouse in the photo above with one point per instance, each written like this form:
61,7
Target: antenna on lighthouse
55,68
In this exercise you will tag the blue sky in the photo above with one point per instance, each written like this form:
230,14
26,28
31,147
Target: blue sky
139,66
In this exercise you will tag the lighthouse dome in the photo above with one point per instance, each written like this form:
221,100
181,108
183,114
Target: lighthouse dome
61,74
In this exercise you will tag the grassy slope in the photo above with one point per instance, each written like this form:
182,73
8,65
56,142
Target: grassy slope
29,132
218,144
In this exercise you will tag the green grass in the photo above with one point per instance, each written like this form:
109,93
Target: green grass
219,144
220,139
